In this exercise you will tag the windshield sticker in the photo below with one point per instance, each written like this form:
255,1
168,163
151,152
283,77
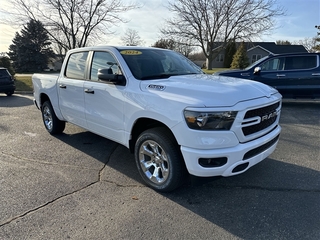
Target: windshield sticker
130,52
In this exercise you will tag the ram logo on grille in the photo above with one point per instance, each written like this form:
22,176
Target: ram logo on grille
268,116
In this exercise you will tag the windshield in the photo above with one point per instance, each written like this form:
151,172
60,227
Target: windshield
153,63
256,62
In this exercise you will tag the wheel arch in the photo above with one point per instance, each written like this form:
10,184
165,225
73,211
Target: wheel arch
43,98
143,124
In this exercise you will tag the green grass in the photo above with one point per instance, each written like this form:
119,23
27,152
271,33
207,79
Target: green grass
23,83
214,70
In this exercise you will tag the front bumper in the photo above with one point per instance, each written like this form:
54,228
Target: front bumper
36,104
239,158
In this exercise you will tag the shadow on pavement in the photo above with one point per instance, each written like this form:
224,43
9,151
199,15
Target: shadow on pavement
14,101
106,151
272,200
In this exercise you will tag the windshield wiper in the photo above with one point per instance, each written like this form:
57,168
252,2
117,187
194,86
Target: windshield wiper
157,76
164,75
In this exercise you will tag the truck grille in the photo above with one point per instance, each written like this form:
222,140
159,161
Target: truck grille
267,118
258,150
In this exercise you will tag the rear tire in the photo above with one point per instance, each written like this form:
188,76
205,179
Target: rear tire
50,120
159,160
9,93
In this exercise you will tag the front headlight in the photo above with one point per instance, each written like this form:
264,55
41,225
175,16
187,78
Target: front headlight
210,120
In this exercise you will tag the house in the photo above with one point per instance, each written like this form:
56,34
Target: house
257,50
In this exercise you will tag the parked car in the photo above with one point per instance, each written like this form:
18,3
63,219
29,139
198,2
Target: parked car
293,75
7,84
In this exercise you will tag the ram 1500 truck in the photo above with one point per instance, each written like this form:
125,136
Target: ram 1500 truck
173,117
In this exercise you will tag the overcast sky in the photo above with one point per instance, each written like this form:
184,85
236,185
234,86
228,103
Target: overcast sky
302,16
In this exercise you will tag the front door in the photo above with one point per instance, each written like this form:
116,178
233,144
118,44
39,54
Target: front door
104,101
273,74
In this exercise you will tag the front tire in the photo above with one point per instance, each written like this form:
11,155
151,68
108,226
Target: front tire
159,160
50,120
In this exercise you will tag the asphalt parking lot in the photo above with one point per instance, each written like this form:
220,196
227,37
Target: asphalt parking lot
81,186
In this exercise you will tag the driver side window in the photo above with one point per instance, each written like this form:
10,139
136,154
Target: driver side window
274,64
102,60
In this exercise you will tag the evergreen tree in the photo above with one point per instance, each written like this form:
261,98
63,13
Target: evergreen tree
165,43
231,49
316,48
5,62
240,59
31,49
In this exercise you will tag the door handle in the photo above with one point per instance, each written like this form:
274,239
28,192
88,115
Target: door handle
281,75
89,91
315,74
62,86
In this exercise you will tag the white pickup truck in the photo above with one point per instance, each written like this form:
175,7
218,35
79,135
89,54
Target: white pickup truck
173,117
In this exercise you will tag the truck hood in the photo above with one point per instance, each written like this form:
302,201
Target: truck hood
204,90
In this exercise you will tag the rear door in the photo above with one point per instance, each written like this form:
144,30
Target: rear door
71,94
303,75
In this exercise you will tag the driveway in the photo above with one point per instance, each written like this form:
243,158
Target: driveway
81,186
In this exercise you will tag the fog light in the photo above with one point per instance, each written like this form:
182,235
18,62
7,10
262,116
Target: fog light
212,162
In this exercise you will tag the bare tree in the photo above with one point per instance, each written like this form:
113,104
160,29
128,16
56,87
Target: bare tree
72,23
283,42
131,38
309,43
212,21
183,46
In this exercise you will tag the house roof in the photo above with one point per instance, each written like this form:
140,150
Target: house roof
272,47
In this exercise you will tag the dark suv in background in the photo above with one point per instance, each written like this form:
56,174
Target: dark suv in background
293,75
7,85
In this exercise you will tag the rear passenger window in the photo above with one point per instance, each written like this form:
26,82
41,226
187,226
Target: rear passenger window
76,65
300,62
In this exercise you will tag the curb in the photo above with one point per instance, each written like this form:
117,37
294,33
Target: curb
23,92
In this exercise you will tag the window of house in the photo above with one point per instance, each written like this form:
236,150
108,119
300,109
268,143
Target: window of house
220,58
76,65
255,57
103,60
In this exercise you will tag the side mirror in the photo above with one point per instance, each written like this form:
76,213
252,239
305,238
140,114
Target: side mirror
107,75
257,70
